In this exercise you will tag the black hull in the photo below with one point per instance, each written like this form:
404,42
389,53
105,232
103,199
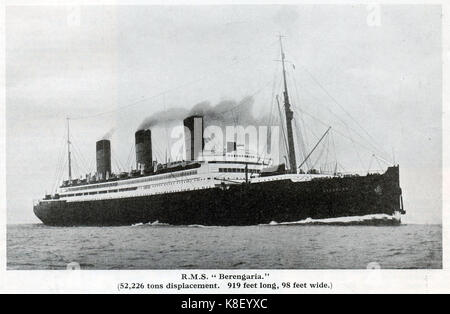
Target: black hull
245,204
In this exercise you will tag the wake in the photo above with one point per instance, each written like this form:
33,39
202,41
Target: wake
366,220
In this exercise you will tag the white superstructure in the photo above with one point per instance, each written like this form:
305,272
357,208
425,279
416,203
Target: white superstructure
212,171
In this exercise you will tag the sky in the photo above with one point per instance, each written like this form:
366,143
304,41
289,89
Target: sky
372,73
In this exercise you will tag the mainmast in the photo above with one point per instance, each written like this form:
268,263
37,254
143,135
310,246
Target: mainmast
68,151
289,116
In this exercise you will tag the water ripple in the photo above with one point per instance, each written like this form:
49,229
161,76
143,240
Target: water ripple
156,246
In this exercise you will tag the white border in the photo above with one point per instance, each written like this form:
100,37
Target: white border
344,281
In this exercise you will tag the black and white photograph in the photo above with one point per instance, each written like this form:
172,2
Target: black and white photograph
224,137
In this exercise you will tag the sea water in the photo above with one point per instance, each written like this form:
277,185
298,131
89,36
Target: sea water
273,246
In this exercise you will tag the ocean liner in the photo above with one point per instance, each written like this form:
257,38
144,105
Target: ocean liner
233,187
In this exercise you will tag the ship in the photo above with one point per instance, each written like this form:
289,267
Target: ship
233,187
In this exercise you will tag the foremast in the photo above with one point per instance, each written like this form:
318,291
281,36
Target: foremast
289,116
68,151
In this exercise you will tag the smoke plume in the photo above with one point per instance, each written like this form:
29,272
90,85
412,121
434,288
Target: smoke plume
108,135
226,112
163,117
